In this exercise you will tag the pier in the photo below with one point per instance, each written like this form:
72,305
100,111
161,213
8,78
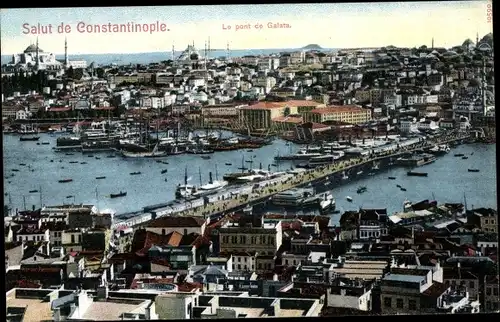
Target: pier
258,195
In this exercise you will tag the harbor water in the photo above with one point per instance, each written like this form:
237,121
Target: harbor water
448,179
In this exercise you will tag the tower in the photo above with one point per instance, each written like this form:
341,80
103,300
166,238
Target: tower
432,45
477,39
205,58
228,55
66,61
173,53
37,63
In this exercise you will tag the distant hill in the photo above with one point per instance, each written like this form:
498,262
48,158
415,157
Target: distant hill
312,47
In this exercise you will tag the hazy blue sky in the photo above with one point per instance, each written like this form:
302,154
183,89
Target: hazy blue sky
329,25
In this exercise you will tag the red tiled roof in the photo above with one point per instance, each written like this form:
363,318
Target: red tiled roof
31,230
105,108
160,261
288,119
303,103
188,287
435,290
40,270
27,284
150,239
316,126
171,222
135,283
265,106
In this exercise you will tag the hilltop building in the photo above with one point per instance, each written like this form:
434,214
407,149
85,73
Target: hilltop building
33,57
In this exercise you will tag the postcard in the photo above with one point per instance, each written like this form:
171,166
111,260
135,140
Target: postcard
284,160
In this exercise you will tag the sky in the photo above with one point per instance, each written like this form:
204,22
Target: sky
346,25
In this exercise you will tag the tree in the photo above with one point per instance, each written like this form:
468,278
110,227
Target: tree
70,73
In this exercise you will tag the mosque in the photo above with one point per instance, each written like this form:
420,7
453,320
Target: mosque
35,58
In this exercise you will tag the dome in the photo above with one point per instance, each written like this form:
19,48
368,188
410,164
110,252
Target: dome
32,49
487,39
450,53
467,42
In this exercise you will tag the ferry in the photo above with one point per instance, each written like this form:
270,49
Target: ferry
292,198
65,143
439,149
153,154
98,146
186,190
302,154
324,159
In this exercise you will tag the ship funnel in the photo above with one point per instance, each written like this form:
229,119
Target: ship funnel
210,178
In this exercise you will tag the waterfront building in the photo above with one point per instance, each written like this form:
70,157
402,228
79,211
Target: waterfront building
347,114
262,114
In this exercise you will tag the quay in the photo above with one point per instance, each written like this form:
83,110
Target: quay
220,206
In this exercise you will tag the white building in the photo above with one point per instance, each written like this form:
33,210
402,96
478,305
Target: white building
408,126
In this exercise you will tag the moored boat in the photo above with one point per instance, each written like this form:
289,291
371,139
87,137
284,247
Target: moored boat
29,138
117,195
416,174
65,180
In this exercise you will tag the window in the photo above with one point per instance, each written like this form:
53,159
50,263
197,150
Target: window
260,265
488,291
471,284
72,239
387,302
412,304
239,266
399,303
495,290
163,231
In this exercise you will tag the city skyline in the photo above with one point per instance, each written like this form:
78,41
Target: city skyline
361,25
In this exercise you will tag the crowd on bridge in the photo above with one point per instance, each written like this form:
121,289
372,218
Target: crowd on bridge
317,174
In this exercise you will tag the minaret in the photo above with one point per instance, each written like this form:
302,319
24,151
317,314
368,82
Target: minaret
205,58
173,53
477,39
37,64
66,61
228,55
483,87
432,43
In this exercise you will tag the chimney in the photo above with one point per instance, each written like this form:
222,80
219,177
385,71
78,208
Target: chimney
459,270
102,292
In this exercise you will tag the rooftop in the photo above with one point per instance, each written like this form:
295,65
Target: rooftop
36,308
110,310
171,222
404,278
